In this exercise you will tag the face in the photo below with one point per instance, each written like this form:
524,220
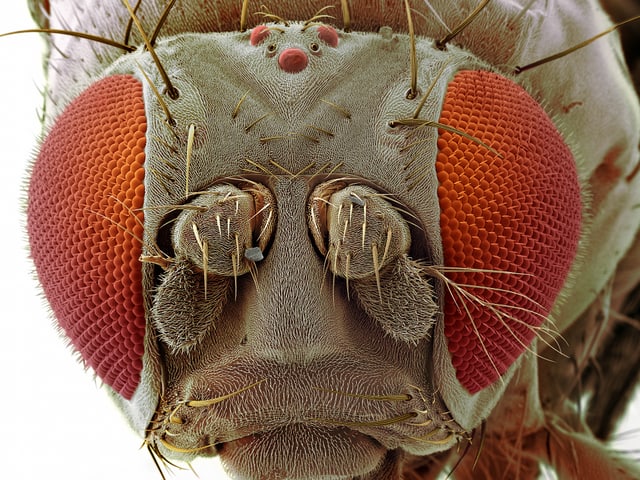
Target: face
320,249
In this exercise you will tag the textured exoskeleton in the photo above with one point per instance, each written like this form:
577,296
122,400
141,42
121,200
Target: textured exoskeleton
343,241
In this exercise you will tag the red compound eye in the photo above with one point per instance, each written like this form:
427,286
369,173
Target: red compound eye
519,214
85,222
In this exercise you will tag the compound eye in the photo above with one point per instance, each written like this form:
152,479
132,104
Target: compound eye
358,229
85,222
510,223
226,229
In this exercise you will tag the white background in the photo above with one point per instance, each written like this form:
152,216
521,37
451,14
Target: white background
56,422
